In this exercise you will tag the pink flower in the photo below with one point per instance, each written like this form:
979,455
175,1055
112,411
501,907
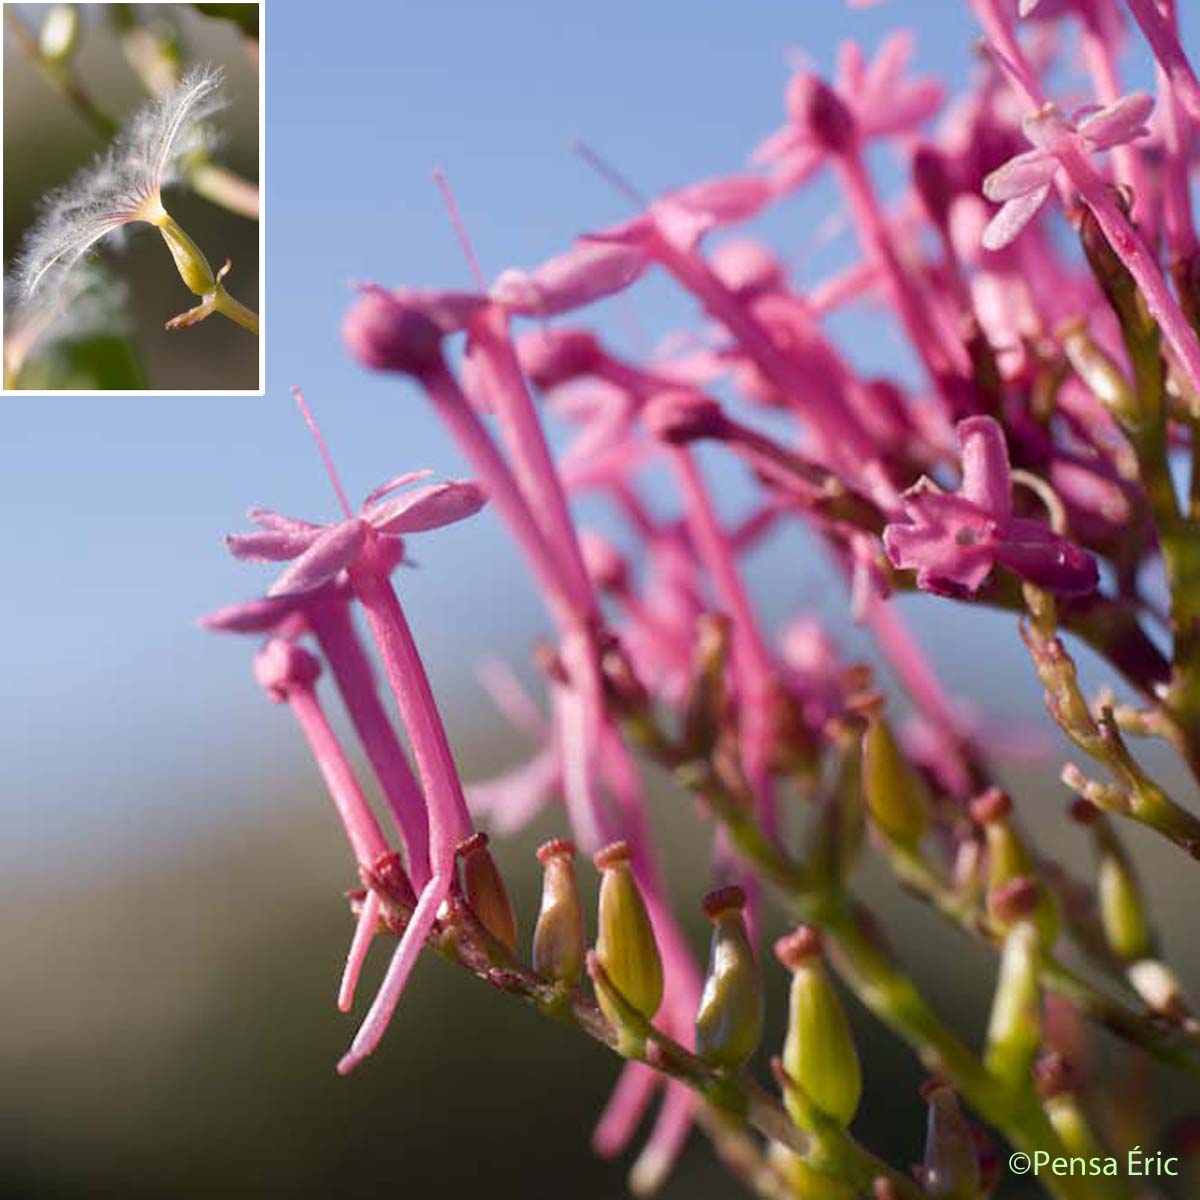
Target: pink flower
953,540
322,552
1023,184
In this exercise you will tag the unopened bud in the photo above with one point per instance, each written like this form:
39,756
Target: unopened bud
1158,986
280,666
1122,907
820,111
681,417
730,1019
1014,1028
1099,371
403,330
896,795
708,703
59,34
485,891
625,942
559,940
803,1180
1008,859
605,565
1055,1082
950,1170
932,180
819,1052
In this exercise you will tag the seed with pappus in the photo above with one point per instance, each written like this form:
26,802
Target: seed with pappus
124,186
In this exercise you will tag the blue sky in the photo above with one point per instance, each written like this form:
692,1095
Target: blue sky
122,721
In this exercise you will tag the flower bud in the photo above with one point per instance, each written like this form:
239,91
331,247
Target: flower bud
1014,1028
819,1051
707,711
896,795
281,666
59,34
805,1181
1008,859
485,890
403,330
679,417
1055,1083
950,1170
625,943
559,940
1099,371
1122,907
729,1023
820,111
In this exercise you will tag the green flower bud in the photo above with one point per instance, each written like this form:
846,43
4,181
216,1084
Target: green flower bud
1099,371
896,795
1008,859
729,1023
804,1181
485,890
950,1170
625,943
559,940
1015,1026
819,1052
1122,908
59,34
1054,1080
836,836
189,259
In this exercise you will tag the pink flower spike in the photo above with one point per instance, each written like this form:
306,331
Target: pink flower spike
426,508
585,273
332,551
364,933
412,941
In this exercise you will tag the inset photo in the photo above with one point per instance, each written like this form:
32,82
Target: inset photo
132,210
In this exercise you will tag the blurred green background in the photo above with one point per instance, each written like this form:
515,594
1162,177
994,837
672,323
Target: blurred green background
46,140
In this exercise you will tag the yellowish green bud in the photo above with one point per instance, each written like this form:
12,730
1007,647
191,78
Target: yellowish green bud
1008,859
819,1052
625,942
1055,1084
950,1170
559,940
729,1023
485,890
1015,1026
804,1181
1122,908
896,795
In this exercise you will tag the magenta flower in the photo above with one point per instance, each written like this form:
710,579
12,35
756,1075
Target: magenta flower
1023,184
321,552
953,540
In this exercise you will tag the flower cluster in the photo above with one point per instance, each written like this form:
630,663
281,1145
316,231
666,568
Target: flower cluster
1029,467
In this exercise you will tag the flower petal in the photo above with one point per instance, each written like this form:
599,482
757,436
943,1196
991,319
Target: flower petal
588,271
1122,121
271,545
391,485
428,507
262,615
1013,216
329,553
986,479
1020,175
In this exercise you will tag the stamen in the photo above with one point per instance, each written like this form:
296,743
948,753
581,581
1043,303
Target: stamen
323,450
608,172
460,228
